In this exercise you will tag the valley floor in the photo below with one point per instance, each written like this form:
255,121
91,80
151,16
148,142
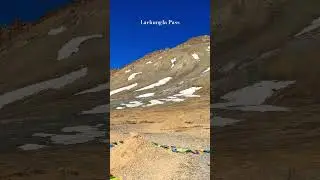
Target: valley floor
269,146
266,146
75,147
183,125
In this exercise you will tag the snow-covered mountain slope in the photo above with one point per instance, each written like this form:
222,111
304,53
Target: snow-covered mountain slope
41,68
167,76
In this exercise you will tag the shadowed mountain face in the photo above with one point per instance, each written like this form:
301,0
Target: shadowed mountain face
42,68
166,76
265,89
260,40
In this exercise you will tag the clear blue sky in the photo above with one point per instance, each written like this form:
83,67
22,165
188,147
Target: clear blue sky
130,40
26,10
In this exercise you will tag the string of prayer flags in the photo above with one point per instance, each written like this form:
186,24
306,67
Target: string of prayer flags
172,148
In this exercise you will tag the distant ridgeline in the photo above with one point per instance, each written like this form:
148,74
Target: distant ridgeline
9,31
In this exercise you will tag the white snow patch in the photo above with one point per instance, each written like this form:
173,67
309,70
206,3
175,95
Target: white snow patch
127,71
314,25
29,147
100,87
72,46
149,62
208,48
133,75
251,98
269,54
195,56
154,102
120,108
133,104
189,92
160,57
123,89
145,95
98,110
56,83
87,133
84,134
159,83
56,31
255,94
208,69
173,61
